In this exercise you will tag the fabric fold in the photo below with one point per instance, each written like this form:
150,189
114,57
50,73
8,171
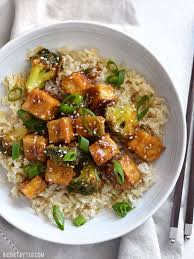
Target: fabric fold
140,243
30,14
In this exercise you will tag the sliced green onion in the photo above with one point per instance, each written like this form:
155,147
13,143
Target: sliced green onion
83,144
118,171
116,79
34,169
143,105
121,77
122,208
112,79
79,221
85,112
112,66
74,99
70,156
58,217
15,94
67,109
16,150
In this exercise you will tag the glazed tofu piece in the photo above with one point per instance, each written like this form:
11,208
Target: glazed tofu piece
76,83
41,105
103,149
132,175
131,172
32,188
101,95
58,174
34,147
60,130
146,145
87,126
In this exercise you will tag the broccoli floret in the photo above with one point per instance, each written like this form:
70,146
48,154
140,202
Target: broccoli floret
9,138
122,119
58,153
45,65
87,182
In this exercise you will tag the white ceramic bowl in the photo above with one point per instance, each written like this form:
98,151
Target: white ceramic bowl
121,48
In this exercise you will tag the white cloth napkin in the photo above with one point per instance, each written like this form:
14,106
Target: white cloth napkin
151,239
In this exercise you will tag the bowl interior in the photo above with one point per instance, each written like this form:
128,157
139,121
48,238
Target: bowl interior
121,48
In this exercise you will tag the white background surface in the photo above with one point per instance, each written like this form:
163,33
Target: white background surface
167,29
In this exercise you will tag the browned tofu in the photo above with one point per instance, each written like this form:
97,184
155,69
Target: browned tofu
76,83
41,105
131,172
101,95
34,147
58,174
132,175
60,130
88,126
32,188
103,149
146,145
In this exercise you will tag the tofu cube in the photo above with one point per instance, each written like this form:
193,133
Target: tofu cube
146,145
60,130
34,147
103,149
131,172
132,175
101,95
76,83
58,174
41,105
32,188
87,126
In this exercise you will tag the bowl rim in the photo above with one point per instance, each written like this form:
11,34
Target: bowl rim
43,29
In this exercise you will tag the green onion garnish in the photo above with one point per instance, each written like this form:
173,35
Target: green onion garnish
67,109
16,150
15,94
83,144
122,208
79,221
112,66
34,169
112,79
118,171
58,217
70,156
86,111
143,105
116,79
120,77
74,99
71,103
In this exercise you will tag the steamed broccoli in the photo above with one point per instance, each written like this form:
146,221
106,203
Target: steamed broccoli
45,65
7,140
122,119
87,182
61,154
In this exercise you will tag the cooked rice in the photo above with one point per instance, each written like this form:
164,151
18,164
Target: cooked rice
76,204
